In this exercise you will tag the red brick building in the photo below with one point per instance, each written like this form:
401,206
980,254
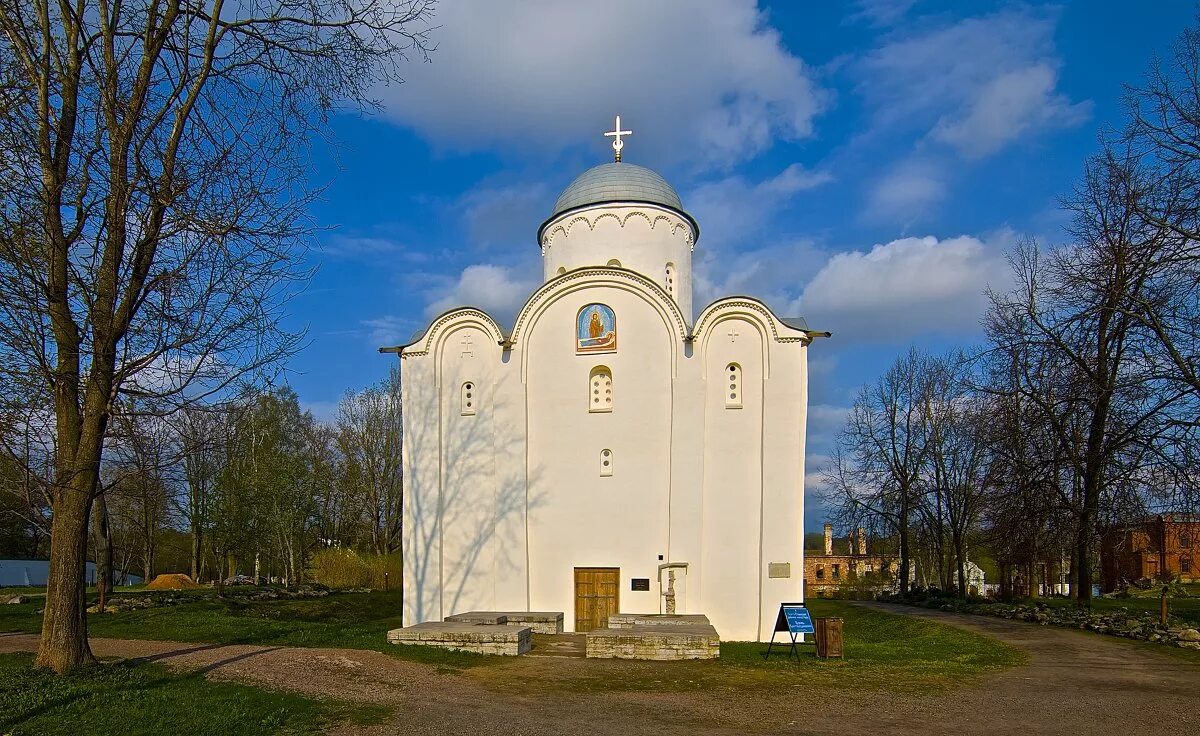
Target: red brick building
854,574
1165,545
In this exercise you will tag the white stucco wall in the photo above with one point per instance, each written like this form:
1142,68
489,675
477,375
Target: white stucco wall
641,237
501,505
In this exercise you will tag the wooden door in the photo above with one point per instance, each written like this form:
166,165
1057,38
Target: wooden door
597,596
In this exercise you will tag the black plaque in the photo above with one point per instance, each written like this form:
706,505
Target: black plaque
639,583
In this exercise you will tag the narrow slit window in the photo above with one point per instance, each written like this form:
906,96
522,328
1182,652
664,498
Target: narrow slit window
669,279
600,389
469,399
733,386
606,463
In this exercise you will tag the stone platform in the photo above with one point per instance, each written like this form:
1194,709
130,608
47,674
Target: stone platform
630,620
540,622
467,637
655,636
660,637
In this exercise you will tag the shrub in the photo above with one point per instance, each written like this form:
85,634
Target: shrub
346,568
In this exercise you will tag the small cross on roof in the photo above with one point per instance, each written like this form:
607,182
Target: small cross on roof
616,134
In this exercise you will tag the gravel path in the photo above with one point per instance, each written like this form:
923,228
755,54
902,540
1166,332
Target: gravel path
1075,683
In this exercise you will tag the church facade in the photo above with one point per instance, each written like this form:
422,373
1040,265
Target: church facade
608,452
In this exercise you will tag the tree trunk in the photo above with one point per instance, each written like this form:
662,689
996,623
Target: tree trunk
1083,555
104,550
197,551
63,644
962,568
903,551
219,563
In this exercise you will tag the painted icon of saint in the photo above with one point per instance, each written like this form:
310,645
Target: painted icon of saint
596,326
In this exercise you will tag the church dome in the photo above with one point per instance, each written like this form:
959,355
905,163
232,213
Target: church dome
617,182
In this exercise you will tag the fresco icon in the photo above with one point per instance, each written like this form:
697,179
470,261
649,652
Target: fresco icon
596,329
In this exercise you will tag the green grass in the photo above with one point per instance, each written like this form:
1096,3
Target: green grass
1187,610
884,652
139,698
342,620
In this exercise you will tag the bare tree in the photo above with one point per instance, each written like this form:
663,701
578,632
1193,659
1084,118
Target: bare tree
1083,356
153,199
957,456
141,464
880,455
370,438
200,433
1163,136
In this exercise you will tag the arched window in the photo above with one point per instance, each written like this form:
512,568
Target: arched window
606,463
669,279
561,270
615,263
600,389
468,398
733,386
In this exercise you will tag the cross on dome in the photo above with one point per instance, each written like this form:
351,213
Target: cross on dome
616,134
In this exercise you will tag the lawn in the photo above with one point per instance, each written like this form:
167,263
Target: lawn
1185,609
345,620
140,698
884,652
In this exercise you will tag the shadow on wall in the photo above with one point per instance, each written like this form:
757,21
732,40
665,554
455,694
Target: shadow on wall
471,446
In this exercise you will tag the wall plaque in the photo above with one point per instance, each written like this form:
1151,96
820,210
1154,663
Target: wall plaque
779,569
639,584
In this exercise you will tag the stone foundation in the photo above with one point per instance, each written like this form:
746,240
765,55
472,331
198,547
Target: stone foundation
629,636
466,637
541,622
630,620
655,637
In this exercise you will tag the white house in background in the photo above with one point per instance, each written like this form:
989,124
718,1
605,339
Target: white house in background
609,451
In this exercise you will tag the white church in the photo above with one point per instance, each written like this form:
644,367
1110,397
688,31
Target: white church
613,450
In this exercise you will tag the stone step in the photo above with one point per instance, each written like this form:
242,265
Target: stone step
467,637
661,640
541,622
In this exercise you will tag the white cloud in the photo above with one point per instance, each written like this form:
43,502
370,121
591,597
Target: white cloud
881,12
826,420
906,193
976,84
707,82
732,257
341,245
388,330
1006,107
735,209
907,287
506,214
494,289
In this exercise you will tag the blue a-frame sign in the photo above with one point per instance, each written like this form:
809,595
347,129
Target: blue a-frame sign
793,619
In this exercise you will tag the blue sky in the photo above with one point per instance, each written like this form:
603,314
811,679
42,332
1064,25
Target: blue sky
863,164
